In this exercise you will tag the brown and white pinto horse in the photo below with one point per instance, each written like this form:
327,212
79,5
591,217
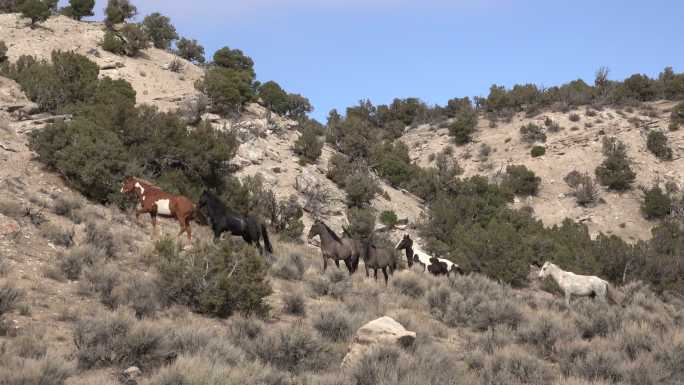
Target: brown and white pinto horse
154,201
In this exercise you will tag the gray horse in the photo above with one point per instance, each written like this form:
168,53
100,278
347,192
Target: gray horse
379,258
336,248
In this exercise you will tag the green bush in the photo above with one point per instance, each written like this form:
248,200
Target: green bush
118,11
515,366
110,137
36,10
361,188
160,30
228,89
308,146
294,304
290,268
389,218
409,285
117,339
574,117
656,142
521,181
288,219
463,128
9,298
393,163
190,50
112,42
274,97
615,171
234,59
69,80
3,52
215,279
294,349
339,168
640,87
677,117
298,106
361,222
333,325
532,133
135,39
584,189
78,9
538,151
657,203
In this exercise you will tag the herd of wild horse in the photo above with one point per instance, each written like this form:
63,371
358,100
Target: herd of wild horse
156,202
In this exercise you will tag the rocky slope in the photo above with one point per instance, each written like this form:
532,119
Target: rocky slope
577,146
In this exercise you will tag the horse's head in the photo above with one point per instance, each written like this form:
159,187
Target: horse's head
545,270
315,229
405,243
132,184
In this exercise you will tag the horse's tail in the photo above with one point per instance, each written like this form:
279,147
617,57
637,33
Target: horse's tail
614,295
267,242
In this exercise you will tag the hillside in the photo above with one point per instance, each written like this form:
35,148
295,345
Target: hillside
576,147
85,291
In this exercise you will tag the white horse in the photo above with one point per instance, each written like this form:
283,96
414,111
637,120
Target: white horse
578,285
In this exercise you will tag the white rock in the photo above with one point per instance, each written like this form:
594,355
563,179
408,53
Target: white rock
382,331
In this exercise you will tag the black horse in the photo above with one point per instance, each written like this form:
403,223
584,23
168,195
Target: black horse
222,219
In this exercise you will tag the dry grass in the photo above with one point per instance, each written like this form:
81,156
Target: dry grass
11,208
68,206
58,235
10,296
496,337
45,371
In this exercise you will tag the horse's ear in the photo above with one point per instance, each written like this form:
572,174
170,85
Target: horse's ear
536,263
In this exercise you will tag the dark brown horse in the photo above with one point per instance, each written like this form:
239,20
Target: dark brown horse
154,201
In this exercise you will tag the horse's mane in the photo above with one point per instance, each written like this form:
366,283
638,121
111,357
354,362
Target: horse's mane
147,182
217,205
332,233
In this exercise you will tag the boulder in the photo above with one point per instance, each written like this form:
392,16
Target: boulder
131,375
306,181
30,108
111,65
252,153
382,331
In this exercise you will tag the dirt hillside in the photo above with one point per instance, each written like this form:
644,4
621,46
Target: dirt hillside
577,146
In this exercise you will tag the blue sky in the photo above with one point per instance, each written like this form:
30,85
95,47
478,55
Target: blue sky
337,52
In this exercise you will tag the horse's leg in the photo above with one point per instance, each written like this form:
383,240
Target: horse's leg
337,263
137,214
384,272
188,231
375,273
350,265
325,264
183,226
365,265
567,298
154,224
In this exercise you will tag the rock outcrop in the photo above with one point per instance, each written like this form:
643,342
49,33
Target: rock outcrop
382,331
